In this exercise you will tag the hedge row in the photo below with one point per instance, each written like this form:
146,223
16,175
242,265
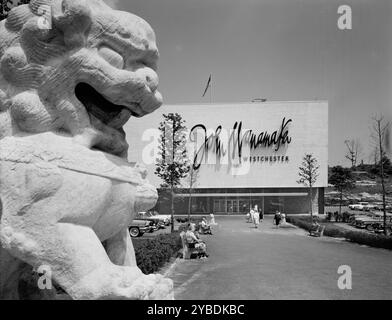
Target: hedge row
195,220
361,237
152,253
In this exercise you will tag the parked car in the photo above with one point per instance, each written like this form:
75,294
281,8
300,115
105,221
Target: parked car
364,222
358,206
139,227
380,215
369,207
369,220
378,227
166,218
353,217
378,206
157,223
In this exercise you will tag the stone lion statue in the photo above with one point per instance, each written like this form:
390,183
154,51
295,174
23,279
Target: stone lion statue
72,73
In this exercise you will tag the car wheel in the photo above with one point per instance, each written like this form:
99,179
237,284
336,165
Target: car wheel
134,232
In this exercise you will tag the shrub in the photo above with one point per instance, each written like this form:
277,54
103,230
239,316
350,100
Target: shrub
152,253
361,237
183,227
193,219
184,223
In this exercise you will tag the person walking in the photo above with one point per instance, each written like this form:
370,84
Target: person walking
255,216
251,213
261,216
277,218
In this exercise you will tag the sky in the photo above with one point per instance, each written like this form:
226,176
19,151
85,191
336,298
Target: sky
279,50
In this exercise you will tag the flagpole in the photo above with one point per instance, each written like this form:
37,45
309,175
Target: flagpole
208,87
211,90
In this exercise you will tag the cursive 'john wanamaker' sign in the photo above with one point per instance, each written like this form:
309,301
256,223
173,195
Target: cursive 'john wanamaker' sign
238,138
241,144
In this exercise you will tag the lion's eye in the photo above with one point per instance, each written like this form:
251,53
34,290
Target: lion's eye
111,56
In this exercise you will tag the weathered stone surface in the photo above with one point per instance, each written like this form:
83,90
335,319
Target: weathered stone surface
67,86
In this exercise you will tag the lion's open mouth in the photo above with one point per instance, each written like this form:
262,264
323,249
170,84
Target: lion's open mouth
107,118
108,113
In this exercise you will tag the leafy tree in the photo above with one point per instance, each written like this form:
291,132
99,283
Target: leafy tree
172,165
7,5
342,180
308,174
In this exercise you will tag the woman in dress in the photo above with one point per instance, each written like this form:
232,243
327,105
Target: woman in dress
255,216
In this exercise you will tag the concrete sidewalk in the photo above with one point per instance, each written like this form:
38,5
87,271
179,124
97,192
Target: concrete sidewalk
285,263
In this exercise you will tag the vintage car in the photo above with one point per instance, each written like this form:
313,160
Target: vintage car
166,218
364,222
140,227
157,223
378,227
359,206
369,220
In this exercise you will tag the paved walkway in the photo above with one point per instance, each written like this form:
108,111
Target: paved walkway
269,263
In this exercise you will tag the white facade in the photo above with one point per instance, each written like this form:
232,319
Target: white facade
275,137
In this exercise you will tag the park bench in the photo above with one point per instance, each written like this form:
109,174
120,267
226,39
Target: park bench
187,251
317,233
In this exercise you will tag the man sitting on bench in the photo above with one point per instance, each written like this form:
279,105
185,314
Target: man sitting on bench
317,230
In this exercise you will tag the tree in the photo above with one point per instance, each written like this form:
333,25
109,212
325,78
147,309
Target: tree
354,150
308,174
193,175
387,165
342,180
380,131
172,165
7,5
374,156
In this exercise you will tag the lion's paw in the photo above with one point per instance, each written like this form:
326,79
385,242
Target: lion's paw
150,287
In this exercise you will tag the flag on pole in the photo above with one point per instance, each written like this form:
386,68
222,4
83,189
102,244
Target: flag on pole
208,86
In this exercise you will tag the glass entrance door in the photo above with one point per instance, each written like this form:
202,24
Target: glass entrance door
232,206
243,205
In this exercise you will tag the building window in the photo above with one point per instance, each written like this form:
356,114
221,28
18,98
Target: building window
219,205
